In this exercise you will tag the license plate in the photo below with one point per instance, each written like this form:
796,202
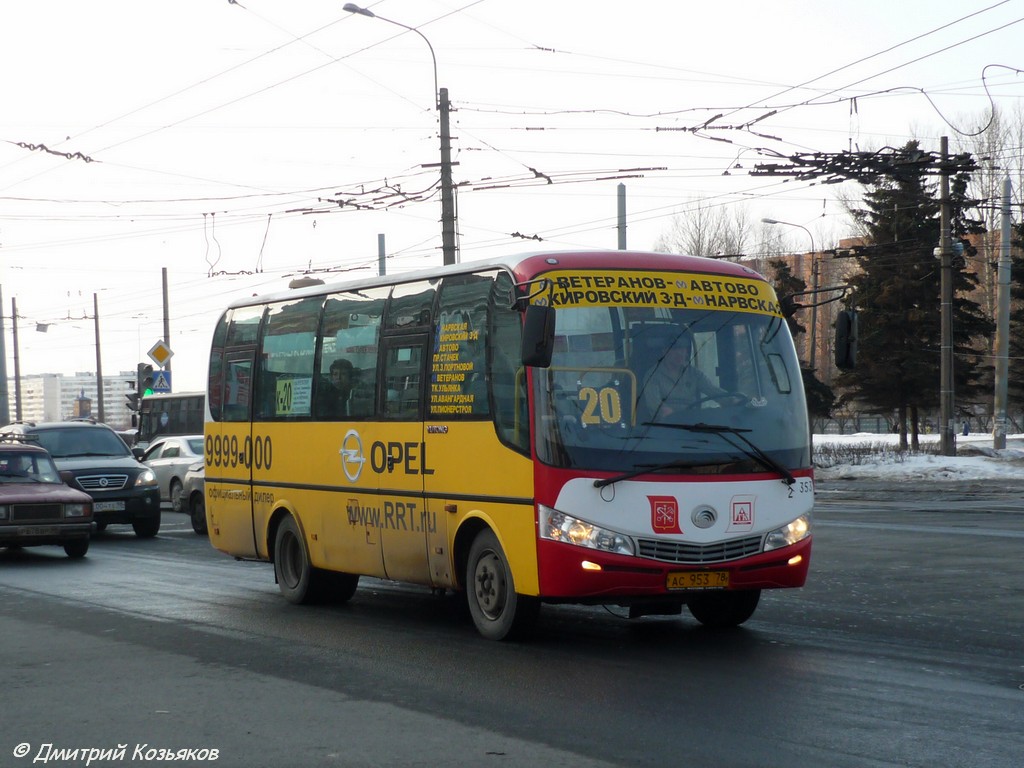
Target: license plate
108,506
38,530
697,580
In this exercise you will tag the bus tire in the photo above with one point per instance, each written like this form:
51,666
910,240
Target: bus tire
298,581
498,611
724,609
339,587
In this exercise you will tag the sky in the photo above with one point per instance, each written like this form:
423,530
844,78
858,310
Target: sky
234,145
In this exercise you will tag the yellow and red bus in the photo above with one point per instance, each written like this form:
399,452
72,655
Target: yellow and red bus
496,434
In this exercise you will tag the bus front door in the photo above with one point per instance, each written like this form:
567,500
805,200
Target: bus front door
399,461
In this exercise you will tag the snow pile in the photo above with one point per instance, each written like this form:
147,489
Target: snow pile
874,456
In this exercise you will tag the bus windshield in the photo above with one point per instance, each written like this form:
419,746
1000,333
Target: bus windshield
680,390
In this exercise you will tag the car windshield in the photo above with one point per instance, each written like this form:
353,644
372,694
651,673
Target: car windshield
195,444
27,467
631,388
68,442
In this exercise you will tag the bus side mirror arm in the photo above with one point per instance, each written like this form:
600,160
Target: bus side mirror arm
538,335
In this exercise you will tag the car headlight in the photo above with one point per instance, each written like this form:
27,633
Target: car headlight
77,510
788,534
4,514
146,477
558,526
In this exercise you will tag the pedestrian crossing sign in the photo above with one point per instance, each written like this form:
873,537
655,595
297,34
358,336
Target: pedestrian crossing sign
161,382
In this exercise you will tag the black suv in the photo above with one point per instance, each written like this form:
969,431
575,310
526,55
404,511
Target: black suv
91,457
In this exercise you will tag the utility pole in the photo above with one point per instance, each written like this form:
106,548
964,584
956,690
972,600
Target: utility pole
622,216
947,434
5,401
99,364
447,187
1002,323
17,362
167,320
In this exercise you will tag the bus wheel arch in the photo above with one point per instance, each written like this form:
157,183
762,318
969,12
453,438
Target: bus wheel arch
498,611
299,581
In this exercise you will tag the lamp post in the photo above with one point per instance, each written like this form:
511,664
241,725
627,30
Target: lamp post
814,288
443,107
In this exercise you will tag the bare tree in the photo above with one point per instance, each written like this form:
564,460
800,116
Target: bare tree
708,230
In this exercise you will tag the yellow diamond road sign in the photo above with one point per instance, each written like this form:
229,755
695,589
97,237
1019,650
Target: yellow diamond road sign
160,354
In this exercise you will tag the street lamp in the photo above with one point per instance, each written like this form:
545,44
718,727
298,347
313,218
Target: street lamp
444,108
814,287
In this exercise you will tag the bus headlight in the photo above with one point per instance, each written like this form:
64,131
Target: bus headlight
558,526
789,534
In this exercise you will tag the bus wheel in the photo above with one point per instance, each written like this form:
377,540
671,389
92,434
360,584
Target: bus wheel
497,610
724,609
295,576
339,587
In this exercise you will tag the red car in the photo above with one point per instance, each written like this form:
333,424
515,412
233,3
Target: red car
36,507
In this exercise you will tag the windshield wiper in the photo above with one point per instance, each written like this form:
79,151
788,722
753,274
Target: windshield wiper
751,451
643,469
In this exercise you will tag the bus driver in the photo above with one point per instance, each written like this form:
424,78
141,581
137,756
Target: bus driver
675,384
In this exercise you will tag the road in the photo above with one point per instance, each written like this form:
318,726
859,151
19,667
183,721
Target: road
905,649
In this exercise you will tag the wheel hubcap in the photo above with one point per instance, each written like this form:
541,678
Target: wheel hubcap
490,586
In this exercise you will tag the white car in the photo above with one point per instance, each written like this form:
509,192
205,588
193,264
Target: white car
193,497
170,458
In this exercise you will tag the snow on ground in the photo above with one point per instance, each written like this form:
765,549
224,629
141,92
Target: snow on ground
975,459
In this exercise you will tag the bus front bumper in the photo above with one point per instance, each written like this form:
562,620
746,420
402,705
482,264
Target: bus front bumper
576,574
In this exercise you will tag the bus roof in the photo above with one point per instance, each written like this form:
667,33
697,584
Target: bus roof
524,266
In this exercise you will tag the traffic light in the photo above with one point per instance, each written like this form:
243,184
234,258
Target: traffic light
846,340
144,377
132,398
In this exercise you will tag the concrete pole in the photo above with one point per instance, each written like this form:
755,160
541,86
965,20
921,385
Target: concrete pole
1002,323
447,187
167,320
17,361
622,216
947,430
5,400
100,415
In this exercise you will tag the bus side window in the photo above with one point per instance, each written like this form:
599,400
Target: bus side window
458,365
351,332
285,382
239,351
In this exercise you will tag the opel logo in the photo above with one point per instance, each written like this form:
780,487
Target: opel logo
104,482
351,453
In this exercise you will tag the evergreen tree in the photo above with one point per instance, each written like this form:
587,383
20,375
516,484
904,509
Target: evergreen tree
820,398
897,295
1015,379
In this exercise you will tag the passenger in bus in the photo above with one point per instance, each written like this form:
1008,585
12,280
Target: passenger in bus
336,391
675,385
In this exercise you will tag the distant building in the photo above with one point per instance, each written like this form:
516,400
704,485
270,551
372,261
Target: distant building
56,396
